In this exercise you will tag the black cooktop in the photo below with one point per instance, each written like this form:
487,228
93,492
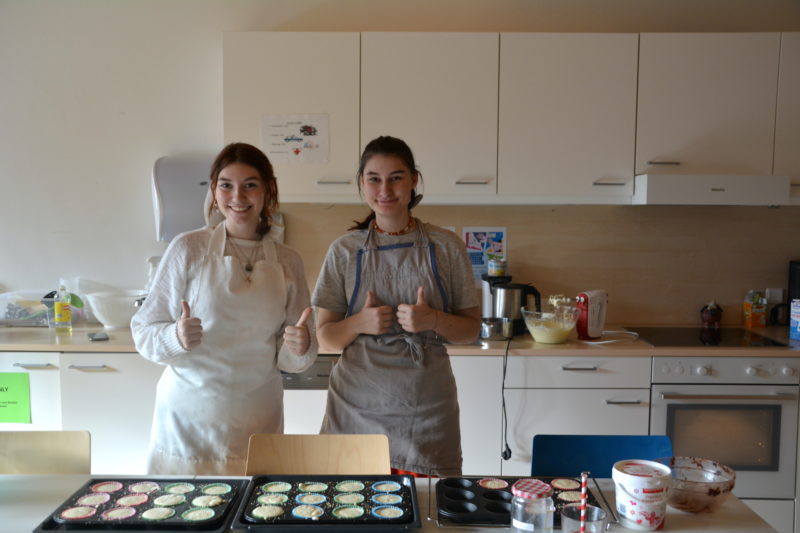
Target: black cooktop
660,336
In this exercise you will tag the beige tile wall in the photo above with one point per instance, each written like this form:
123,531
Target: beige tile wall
659,264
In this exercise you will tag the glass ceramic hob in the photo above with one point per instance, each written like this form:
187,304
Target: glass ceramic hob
667,336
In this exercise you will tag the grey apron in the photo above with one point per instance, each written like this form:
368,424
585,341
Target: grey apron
399,383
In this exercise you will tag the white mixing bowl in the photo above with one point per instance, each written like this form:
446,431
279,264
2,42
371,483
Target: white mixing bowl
114,309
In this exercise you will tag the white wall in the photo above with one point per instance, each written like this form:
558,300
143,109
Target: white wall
93,91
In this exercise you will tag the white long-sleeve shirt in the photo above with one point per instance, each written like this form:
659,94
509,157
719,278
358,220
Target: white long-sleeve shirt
154,326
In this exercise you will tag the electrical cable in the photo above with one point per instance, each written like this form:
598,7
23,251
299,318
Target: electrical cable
632,334
506,453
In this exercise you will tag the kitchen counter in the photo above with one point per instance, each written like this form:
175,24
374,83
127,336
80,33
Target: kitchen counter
35,339
27,500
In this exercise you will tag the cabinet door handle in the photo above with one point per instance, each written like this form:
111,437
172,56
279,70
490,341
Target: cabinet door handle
623,402
601,183
323,181
663,162
580,368
751,397
473,181
34,365
717,189
87,367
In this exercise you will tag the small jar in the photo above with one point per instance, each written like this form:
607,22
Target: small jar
532,507
497,267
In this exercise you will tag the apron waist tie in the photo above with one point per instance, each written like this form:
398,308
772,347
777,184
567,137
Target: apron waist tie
416,343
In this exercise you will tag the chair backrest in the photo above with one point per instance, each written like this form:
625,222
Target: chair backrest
45,452
318,454
569,455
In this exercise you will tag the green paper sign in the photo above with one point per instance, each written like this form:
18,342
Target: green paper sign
15,398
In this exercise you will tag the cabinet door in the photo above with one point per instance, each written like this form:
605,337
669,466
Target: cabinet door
112,396
437,92
567,115
706,103
283,73
787,122
478,379
570,411
45,388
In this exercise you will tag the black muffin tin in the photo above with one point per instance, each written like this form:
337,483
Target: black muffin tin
218,523
463,500
327,522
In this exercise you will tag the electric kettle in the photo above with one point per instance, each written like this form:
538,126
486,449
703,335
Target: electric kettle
510,297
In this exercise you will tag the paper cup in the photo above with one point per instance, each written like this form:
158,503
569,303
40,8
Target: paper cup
641,490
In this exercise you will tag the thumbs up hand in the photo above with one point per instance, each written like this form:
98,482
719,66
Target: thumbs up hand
297,338
375,319
189,328
418,316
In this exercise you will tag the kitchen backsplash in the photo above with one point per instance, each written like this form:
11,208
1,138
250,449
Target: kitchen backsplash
659,264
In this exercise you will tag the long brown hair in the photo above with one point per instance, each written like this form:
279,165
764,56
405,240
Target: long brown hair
392,146
252,156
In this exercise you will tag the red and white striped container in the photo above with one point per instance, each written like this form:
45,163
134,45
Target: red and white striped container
641,490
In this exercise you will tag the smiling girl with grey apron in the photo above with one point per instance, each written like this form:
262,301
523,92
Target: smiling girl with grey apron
210,400
399,383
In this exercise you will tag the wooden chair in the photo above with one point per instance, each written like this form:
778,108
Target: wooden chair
45,452
318,454
569,455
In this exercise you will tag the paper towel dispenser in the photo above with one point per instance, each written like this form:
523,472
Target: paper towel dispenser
180,184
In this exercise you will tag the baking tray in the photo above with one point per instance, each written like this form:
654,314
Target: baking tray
331,488
136,523
475,501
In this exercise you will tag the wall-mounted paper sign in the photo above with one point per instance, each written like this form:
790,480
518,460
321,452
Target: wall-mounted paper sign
15,398
302,139
484,243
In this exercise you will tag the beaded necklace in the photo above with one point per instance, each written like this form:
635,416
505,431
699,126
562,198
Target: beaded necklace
408,229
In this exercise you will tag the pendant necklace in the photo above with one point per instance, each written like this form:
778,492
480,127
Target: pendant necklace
408,229
245,263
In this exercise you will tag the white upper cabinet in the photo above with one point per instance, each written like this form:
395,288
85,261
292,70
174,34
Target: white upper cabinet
437,92
706,103
787,125
567,116
282,73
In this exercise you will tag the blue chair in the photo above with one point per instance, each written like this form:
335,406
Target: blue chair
569,455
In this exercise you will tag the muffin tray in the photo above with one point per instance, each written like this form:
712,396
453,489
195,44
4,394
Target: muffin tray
141,504
320,503
487,500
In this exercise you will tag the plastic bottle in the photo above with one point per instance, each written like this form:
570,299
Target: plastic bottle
62,311
532,507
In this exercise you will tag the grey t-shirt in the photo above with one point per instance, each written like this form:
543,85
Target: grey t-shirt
337,277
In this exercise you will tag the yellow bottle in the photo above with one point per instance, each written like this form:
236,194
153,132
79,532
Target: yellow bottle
62,311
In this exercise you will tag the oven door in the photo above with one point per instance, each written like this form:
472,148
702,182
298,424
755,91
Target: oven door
752,429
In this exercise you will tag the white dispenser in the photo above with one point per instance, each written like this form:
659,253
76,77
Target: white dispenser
180,184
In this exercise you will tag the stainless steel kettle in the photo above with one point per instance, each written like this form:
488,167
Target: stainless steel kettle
510,297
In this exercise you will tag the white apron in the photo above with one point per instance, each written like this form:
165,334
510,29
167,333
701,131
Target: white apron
399,384
210,400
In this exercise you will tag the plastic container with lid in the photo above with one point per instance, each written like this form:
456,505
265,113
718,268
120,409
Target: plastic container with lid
532,507
641,489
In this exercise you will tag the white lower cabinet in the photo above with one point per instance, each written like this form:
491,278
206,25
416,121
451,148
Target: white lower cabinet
777,513
111,395
45,389
303,410
479,381
578,395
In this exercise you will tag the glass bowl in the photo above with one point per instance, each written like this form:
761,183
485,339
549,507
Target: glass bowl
552,325
698,485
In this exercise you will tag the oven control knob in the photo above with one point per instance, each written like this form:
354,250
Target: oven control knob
703,371
787,371
751,371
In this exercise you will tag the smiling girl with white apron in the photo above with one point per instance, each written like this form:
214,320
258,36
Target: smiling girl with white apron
210,400
399,383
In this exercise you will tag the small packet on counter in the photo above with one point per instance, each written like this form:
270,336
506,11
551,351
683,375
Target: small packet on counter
754,309
794,320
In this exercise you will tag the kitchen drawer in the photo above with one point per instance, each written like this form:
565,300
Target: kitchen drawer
578,372
45,386
569,411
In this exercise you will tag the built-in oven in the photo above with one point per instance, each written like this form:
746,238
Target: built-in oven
740,411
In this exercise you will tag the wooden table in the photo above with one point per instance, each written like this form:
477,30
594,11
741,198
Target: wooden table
25,501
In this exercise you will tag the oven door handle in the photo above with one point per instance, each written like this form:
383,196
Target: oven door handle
765,397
